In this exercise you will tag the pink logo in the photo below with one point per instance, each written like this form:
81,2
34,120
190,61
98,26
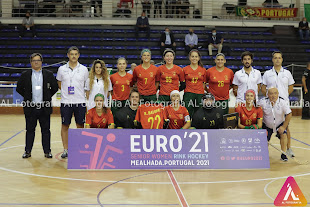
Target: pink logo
94,154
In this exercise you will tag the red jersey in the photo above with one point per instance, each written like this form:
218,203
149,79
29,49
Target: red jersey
145,79
95,121
169,79
248,118
219,82
151,116
194,79
121,86
177,118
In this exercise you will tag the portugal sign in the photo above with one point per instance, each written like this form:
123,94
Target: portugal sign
267,12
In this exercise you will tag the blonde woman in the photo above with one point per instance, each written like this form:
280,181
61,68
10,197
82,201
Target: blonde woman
98,82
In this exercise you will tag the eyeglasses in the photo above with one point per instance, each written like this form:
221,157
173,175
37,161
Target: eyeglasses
36,60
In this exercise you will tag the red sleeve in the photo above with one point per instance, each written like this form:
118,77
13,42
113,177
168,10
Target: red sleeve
166,113
260,113
204,75
110,117
138,115
237,109
134,76
131,79
185,113
88,118
181,76
232,76
207,76
158,74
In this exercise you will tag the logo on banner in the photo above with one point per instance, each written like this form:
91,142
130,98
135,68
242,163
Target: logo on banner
290,194
101,153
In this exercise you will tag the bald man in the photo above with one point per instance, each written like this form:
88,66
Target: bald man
277,115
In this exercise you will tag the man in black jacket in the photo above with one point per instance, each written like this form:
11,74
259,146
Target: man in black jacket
143,25
37,86
167,41
215,41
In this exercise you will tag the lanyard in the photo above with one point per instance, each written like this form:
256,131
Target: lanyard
72,74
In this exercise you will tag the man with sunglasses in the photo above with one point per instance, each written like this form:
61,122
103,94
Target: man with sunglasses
37,86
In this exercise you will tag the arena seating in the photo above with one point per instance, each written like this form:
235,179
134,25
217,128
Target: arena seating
110,42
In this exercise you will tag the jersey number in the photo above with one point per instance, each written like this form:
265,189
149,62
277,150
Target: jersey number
212,123
151,119
194,80
169,79
220,83
248,122
123,87
145,80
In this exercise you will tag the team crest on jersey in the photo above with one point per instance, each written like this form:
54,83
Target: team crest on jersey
204,118
242,115
140,75
181,116
218,115
199,74
128,82
214,77
116,82
169,116
128,117
226,77
104,120
151,74
254,115
174,73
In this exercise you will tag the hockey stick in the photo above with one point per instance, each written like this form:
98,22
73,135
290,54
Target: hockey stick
293,158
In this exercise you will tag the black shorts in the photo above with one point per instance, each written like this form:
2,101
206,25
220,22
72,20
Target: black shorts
67,110
270,131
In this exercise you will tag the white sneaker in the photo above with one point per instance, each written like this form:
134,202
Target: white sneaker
290,152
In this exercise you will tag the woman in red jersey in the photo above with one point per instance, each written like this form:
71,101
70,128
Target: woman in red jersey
99,116
177,115
144,75
220,80
250,117
195,77
121,83
170,77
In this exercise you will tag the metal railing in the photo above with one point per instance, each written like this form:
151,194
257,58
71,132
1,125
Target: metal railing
91,8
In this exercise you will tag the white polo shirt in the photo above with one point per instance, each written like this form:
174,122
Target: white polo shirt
280,81
274,115
246,81
76,78
98,87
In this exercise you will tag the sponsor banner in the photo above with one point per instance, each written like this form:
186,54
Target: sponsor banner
267,12
167,149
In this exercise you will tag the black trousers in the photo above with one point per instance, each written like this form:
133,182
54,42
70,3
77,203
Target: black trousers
162,48
188,48
147,29
31,123
306,107
24,29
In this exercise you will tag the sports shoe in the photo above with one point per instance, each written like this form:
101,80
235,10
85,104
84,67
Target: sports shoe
64,154
284,158
48,155
290,152
26,154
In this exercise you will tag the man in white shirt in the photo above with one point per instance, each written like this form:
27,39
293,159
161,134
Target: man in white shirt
71,80
281,79
191,41
277,115
246,78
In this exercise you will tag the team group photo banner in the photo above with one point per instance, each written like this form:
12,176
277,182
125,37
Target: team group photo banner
267,12
153,149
